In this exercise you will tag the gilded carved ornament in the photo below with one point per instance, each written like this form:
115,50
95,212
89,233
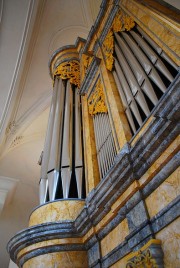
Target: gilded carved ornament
96,102
69,70
142,260
121,23
86,61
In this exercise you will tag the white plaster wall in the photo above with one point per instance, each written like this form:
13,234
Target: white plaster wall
15,216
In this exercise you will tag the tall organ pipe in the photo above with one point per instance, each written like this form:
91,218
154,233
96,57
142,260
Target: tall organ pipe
47,147
53,167
78,146
66,145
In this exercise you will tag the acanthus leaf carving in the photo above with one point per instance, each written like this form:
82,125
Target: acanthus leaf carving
142,260
122,22
96,102
69,70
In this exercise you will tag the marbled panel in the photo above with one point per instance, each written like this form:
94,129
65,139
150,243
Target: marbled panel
114,238
164,194
158,164
170,237
56,211
72,259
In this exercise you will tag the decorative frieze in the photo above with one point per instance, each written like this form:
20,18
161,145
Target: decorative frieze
69,70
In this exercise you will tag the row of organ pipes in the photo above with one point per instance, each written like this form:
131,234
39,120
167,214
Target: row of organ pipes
62,162
105,145
142,72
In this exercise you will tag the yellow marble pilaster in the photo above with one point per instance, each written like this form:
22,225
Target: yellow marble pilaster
115,104
91,164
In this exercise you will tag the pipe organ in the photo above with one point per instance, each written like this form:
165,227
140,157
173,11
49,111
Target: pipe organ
109,171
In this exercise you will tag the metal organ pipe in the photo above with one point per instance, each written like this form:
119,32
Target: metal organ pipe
47,147
78,146
135,88
53,166
65,157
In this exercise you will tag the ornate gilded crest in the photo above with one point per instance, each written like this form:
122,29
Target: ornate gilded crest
121,23
142,260
108,49
96,102
86,61
69,70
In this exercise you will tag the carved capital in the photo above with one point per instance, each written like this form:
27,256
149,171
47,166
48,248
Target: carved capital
96,102
69,70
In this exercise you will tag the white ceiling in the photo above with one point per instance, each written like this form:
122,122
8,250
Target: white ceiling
30,31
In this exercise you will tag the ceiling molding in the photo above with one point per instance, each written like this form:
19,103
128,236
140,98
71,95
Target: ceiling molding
10,110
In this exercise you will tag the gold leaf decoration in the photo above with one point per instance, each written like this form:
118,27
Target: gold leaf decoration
69,70
86,60
96,102
142,260
108,49
128,23
122,22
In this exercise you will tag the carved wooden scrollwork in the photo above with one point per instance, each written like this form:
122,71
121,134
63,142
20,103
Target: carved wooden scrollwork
122,22
69,70
142,260
96,102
